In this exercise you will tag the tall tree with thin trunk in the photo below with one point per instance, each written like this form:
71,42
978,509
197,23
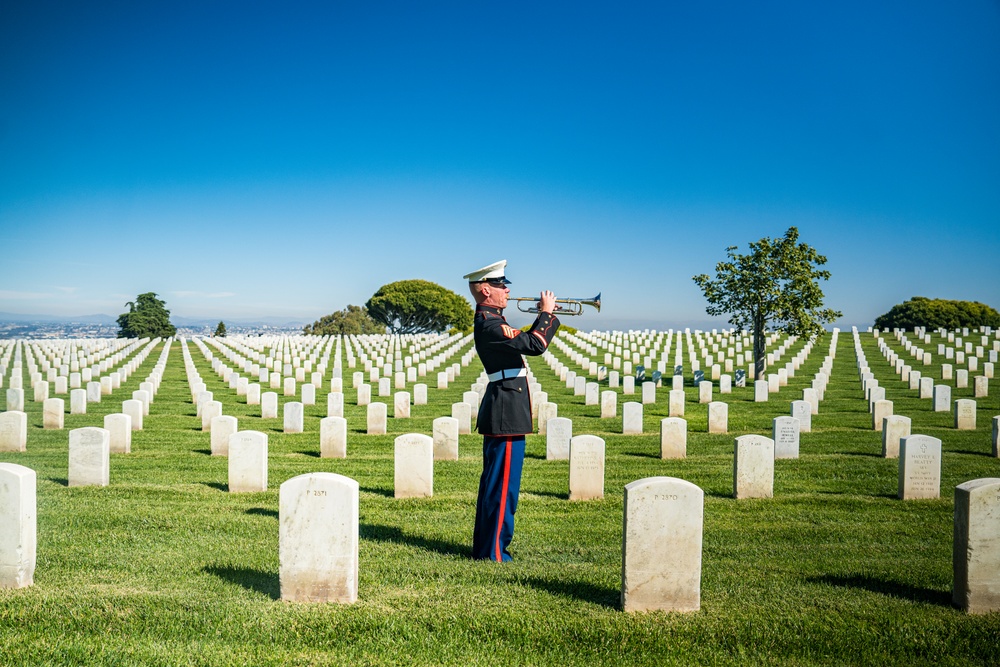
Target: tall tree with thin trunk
776,284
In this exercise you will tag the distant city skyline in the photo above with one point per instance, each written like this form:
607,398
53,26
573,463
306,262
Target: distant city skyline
247,161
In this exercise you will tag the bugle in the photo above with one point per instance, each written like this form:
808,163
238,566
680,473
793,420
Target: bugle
563,306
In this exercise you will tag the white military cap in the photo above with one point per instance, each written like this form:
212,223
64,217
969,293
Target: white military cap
492,273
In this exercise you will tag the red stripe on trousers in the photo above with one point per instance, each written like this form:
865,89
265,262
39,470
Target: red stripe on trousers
503,498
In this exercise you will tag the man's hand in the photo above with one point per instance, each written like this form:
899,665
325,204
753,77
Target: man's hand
546,302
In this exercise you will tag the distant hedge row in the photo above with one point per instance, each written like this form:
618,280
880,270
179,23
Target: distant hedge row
936,313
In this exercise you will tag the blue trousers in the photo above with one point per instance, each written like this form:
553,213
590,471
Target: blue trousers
499,486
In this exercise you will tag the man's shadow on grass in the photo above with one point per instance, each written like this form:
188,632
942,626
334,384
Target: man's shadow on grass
887,587
259,581
392,534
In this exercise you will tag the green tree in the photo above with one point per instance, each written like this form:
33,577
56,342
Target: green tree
419,306
147,316
938,313
220,330
351,320
776,284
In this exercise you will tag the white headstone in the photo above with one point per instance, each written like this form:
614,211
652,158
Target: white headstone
632,418
333,437
53,413
673,438
445,431
89,462
802,410
269,405
420,394
223,427
676,405
133,409
119,426
661,545
882,409
965,414
335,404
976,546
77,401
209,411
414,469
586,467
318,521
364,394
247,462
704,391
785,433
811,396
919,467
760,389
463,413
377,418
753,467
18,525
15,400
894,429
942,398
609,404
140,395
308,394
253,394
718,417
13,431
93,392
557,438
546,411
401,405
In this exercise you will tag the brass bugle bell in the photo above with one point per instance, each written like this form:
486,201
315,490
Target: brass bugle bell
563,306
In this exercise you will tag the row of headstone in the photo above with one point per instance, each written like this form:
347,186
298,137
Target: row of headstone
662,537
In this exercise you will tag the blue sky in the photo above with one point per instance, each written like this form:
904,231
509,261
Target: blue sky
250,159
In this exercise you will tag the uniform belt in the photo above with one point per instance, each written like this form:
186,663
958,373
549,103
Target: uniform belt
507,373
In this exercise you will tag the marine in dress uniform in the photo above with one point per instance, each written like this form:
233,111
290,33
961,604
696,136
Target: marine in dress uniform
505,413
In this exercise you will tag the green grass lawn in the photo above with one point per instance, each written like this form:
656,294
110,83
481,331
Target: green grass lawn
165,567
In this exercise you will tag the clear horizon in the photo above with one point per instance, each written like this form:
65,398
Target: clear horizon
253,161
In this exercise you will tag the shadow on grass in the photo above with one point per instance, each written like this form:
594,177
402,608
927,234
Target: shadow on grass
378,492
308,452
394,535
259,581
579,590
868,454
645,455
529,455
887,587
218,486
59,480
971,453
261,511
548,494
202,451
